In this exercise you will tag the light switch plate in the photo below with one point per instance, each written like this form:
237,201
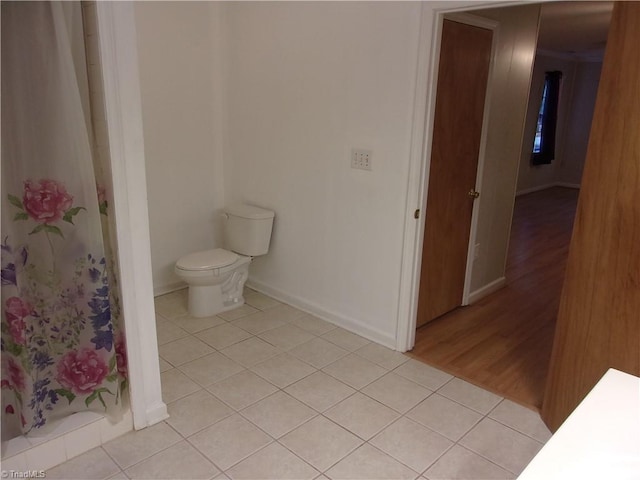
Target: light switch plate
361,159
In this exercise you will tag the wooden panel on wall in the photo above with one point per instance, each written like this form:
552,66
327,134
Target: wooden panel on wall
598,323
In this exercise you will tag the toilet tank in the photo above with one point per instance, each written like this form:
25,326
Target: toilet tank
247,230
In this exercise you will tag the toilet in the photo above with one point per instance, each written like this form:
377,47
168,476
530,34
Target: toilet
216,277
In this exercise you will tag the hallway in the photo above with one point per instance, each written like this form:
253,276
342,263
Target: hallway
503,342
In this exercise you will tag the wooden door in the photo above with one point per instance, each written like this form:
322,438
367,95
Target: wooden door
598,324
465,56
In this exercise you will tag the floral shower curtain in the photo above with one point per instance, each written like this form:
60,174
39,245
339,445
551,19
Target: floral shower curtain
62,348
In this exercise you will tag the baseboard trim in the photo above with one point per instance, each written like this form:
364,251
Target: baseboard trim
163,290
487,289
548,185
156,414
534,189
568,185
350,324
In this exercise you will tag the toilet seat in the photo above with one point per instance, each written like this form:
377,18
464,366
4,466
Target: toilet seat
207,260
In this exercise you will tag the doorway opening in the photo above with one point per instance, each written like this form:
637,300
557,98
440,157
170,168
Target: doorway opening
503,341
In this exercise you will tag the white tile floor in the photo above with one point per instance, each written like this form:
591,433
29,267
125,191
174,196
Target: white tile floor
269,392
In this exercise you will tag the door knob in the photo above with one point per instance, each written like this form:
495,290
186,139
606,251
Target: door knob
473,193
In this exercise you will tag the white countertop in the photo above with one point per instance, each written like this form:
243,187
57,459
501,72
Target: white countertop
600,439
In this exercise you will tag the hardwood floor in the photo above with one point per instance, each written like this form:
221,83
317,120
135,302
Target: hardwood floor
503,342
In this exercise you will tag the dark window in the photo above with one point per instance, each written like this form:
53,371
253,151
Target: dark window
544,143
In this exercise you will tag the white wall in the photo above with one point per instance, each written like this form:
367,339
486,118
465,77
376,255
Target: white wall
179,50
576,136
307,82
285,92
510,81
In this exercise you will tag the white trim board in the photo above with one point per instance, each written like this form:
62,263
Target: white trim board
418,176
568,185
488,289
350,324
118,56
589,57
172,287
546,186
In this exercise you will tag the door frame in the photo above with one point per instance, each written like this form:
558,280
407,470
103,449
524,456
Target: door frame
432,19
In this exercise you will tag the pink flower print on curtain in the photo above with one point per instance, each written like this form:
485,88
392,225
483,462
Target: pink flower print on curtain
57,322
81,371
59,295
15,377
16,310
121,356
46,201
102,198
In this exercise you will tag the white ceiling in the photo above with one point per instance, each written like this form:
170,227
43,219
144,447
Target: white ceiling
575,29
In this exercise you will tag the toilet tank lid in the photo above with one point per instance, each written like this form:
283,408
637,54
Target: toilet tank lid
216,258
249,211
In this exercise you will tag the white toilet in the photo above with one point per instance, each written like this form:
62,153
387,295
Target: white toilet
216,277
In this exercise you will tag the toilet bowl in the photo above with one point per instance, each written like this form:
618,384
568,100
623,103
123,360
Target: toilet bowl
216,280
216,277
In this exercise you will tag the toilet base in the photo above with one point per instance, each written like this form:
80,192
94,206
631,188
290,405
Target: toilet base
209,300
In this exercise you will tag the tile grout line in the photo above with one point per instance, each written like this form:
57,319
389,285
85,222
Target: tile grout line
101,447
365,441
187,439
359,390
155,453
